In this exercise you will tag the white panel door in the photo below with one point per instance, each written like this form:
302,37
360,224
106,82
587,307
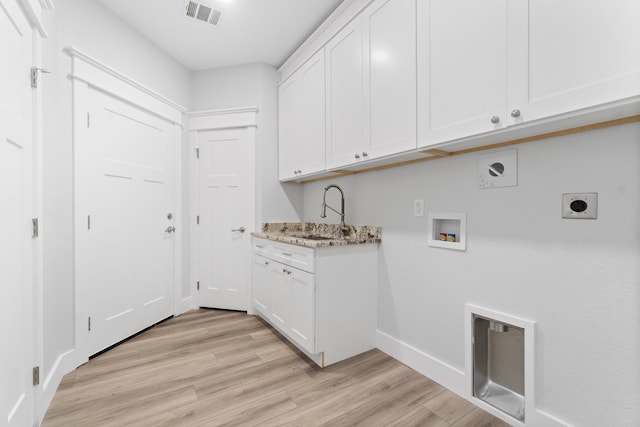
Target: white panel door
223,208
125,251
16,246
462,68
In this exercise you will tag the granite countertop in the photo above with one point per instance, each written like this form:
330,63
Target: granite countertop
312,235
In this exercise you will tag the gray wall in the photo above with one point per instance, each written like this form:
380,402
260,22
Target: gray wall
578,279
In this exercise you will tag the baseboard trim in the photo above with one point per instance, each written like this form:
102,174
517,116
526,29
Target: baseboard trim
453,379
64,364
440,372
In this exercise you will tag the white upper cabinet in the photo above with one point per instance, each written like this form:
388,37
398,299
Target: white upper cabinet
389,27
572,54
489,64
462,75
371,84
345,112
302,120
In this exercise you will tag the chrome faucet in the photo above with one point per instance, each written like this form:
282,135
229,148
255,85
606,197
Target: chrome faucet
343,227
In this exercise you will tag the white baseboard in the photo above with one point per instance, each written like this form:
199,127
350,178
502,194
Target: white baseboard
184,305
64,364
440,372
453,379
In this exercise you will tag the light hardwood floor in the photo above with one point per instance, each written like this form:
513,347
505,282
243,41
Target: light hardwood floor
214,368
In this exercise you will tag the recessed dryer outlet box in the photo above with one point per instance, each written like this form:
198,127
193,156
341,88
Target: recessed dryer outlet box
580,205
499,169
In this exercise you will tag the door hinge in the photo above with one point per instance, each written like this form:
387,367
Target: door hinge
34,227
36,375
198,285
88,120
197,153
88,222
198,219
34,75
89,324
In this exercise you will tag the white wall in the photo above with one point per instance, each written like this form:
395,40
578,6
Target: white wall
91,28
253,85
578,279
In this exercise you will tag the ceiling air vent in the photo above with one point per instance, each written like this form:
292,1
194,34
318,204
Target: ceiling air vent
203,12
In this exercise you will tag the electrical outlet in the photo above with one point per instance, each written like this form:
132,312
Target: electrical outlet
580,205
418,207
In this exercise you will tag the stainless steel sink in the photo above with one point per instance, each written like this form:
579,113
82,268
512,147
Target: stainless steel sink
314,237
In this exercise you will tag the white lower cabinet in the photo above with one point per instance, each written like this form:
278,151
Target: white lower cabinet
315,300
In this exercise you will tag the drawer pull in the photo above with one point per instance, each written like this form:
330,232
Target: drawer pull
259,246
287,254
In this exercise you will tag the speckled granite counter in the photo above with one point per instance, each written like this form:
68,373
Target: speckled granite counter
312,235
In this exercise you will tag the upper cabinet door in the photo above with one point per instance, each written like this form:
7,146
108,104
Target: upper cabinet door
390,78
462,68
289,130
572,54
345,118
312,150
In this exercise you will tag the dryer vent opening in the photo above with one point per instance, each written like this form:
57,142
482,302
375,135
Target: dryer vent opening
498,365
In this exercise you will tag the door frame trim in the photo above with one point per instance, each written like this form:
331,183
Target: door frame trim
201,121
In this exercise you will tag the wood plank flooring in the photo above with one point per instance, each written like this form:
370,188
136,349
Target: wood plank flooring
215,368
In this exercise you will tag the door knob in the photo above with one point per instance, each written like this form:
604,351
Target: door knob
241,229
170,229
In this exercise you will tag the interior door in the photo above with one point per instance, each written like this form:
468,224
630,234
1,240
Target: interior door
16,246
125,252
224,218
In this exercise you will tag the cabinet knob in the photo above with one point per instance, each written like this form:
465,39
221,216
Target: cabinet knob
266,263
364,154
298,171
515,113
495,120
357,156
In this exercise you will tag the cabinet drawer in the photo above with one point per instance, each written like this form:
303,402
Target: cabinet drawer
294,256
261,247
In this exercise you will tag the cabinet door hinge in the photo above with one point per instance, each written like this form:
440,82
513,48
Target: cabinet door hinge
198,219
88,120
198,285
89,324
88,222
197,153
36,375
34,227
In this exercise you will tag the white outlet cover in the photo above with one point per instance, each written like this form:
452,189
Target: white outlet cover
580,205
498,169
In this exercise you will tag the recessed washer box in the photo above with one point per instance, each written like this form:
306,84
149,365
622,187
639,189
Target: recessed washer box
580,205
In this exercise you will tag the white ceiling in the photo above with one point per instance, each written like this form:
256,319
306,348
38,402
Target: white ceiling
248,30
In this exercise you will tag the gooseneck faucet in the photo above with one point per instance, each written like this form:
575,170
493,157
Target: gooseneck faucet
343,227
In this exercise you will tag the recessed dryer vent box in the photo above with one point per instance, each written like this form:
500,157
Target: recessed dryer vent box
498,169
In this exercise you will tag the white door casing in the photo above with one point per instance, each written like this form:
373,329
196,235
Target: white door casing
17,248
126,196
224,239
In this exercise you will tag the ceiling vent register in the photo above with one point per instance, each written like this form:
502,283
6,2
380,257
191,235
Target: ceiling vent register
203,12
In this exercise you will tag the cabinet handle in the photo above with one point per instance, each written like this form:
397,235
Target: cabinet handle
299,171
286,254
357,156
515,113
495,120
241,229
266,263
364,154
